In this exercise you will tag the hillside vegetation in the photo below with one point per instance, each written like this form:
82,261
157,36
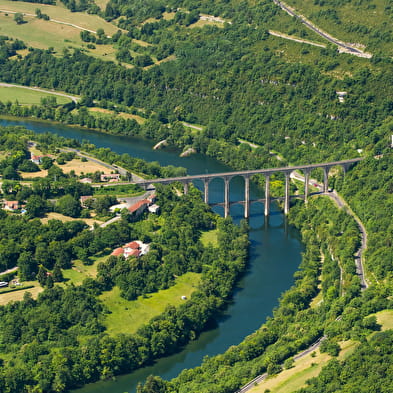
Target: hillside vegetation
368,23
236,82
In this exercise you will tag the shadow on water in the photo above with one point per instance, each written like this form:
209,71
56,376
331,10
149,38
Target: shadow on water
275,252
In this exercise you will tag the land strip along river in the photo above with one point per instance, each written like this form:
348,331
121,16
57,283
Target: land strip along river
275,254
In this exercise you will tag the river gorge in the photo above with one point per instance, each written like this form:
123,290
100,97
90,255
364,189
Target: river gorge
275,254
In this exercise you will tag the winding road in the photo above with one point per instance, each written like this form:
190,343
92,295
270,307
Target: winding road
342,204
358,257
343,46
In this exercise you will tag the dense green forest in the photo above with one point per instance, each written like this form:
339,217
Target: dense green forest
235,81
295,325
48,331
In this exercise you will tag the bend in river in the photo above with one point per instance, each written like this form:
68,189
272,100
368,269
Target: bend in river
275,254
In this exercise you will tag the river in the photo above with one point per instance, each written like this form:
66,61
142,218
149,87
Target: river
275,254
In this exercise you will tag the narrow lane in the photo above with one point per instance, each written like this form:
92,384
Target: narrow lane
345,47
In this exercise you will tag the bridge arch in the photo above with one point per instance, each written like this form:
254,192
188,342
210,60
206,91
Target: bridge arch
320,171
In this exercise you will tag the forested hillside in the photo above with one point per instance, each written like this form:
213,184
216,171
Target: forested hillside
40,338
215,65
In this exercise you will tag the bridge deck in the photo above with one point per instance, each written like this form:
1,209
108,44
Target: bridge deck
287,169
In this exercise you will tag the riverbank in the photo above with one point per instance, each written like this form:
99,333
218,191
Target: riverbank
270,271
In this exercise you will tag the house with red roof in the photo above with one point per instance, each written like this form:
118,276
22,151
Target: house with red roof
138,208
11,205
36,159
84,198
118,251
135,249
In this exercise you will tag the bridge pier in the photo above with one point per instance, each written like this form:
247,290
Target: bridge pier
185,188
246,196
206,190
306,185
326,179
226,196
267,195
286,200
206,178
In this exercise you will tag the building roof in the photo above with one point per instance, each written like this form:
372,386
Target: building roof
85,197
154,208
134,253
11,204
134,245
86,180
138,205
118,251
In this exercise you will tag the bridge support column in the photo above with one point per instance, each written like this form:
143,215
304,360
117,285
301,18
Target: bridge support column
286,200
346,167
185,188
325,179
246,196
267,195
206,190
226,196
306,185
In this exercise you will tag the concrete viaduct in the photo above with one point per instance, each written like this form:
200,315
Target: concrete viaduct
227,176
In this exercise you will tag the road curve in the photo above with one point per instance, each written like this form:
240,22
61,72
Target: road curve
341,203
263,376
343,45
359,259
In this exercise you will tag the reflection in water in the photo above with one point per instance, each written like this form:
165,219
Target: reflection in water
274,256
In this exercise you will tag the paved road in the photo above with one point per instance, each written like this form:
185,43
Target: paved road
14,269
287,169
288,37
73,98
262,377
341,203
112,167
359,259
344,46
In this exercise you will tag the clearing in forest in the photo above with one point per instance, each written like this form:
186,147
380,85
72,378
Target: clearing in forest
28,97
128,316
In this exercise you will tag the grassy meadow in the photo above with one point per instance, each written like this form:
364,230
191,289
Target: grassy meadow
127,316
43,34
79,271
309,366
18,295
210,237
28,97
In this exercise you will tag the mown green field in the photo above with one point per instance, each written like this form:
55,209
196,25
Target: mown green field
127,316
43,34
79,271
60,13
27,97
210,237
